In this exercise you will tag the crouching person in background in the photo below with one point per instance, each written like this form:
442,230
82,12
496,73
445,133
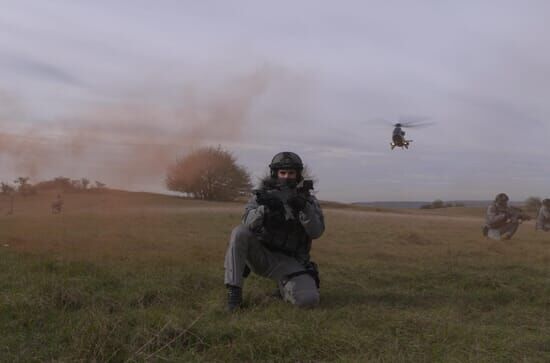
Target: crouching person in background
543,218
275,236
502,220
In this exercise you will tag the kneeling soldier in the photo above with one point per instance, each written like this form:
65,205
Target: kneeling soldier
502,220
543,218
274,238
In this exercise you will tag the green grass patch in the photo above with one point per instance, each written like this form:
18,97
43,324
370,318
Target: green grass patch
149,287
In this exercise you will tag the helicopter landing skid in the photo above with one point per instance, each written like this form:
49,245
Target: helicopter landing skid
403,145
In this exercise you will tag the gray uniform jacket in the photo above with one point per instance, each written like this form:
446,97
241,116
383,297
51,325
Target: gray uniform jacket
543,219
294,238
496,216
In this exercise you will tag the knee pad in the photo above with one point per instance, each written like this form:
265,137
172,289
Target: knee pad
301,291
306,298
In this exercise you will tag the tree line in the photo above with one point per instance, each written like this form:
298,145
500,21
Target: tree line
24,187
206,173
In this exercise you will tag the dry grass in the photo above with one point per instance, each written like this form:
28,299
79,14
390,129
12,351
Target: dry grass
138,277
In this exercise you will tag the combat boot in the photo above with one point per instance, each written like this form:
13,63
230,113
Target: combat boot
234,298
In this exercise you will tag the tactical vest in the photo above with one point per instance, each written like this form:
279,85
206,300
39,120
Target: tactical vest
289,238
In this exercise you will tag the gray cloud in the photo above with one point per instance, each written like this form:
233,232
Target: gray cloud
34,68
477,69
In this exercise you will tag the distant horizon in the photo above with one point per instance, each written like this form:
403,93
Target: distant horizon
353,201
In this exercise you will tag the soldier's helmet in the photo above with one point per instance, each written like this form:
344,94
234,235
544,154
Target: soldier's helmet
546,203
502,198
286,160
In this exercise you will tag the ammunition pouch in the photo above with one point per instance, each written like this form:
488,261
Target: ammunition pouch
290,239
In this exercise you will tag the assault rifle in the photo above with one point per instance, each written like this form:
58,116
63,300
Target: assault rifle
306,186
517,214
280,194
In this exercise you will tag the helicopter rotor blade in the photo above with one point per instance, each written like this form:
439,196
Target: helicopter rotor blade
404,119
415,121
417,125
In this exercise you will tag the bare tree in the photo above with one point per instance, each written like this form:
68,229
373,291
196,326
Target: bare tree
6,189
533,203
22,181
208,173
63,184
24,188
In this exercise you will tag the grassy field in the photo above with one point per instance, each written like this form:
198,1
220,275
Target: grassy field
139,277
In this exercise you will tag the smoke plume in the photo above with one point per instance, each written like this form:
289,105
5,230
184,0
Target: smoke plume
127,143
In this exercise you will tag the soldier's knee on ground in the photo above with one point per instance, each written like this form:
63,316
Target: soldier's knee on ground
307,299
301,291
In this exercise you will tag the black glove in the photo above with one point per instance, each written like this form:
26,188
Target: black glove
271,202
297,202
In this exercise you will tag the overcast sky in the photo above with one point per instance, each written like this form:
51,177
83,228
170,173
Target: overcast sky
82,80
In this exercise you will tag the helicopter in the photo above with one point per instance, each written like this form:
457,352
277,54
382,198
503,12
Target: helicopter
398,135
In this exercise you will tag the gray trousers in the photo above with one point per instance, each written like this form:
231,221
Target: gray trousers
244,248
508,228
